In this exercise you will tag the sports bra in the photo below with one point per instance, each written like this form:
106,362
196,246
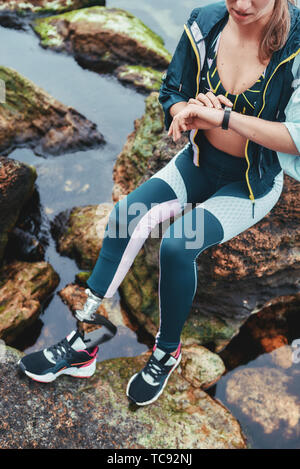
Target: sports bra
243,103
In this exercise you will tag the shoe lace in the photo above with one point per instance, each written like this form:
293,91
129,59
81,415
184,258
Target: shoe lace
61,349
155,369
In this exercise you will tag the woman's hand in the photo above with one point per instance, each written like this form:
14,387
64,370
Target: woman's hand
195,116
211,100
204,113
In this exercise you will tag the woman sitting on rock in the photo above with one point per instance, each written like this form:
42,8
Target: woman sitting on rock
234,83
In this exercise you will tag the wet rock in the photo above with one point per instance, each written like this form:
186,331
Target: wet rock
24,287
263,396
16,186
143,78
31,117
147,149
96,414
79,233
24,246
200,367
103,38
13,13
30,236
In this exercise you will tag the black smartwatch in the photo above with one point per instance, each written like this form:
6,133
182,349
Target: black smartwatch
227,112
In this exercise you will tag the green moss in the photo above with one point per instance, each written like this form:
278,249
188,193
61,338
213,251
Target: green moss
111,19
142,77
52,6
82,277
22,96
48,33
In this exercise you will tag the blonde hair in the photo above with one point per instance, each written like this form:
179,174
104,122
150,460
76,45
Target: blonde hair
277,29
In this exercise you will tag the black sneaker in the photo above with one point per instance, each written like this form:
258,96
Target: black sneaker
70,356
147,385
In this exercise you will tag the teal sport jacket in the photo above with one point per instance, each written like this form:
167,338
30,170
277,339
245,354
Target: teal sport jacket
279,100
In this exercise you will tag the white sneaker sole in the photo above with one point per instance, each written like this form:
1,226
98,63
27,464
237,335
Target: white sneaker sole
159,393
83,372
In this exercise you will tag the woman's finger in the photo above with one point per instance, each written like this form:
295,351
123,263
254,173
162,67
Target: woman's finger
195,101
222,99
214,100
203,98
171,128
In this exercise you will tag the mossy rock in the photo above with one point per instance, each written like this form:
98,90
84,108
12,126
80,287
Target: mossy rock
96,414
27,7
30,117
24,287
99,36
16,186
143,78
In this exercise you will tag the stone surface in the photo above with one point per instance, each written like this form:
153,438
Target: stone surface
103,38
18,13
79,233
200,367
23,7
16,186
24,287
143,78
73,414
31,117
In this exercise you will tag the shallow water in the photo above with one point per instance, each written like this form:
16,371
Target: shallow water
85,177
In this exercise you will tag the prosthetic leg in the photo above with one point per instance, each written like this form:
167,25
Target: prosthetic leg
75,355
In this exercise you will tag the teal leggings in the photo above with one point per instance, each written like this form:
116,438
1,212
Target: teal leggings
210,204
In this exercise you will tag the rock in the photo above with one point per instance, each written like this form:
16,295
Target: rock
97,415
143,78
103,38
24,287
23,7
16,186
13,13
79,233
147,149
200,367
30,237
31,117
24,246
263,396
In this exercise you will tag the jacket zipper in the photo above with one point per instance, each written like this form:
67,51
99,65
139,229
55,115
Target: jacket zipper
259,170
189,35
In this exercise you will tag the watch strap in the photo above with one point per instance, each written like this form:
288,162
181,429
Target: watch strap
225,122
